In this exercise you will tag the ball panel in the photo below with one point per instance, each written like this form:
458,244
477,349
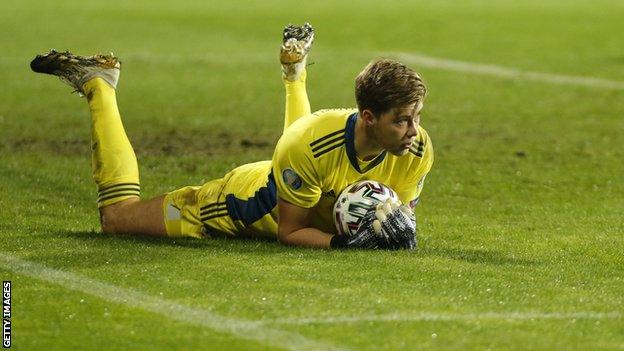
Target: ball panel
355,201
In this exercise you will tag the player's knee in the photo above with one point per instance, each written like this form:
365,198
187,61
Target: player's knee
282,236
108,220
281,239
112,217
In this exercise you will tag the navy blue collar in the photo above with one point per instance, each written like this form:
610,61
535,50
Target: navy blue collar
350,147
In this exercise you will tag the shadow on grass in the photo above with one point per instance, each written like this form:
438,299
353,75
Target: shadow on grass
263,247
87,249
480,256
217,242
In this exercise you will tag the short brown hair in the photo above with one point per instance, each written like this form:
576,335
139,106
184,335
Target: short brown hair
384,84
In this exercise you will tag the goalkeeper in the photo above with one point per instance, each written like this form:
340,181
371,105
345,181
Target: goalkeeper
290,197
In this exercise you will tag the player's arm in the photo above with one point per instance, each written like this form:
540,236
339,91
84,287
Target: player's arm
298,183
294,227
376,231
298,189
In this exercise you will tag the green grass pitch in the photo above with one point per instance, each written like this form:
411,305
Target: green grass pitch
521,220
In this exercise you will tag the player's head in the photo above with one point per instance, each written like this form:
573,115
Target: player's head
390,96
384,84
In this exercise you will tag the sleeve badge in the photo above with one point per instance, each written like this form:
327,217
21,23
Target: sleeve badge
291,178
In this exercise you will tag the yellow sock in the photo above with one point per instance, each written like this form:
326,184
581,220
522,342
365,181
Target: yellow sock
114,164
297,103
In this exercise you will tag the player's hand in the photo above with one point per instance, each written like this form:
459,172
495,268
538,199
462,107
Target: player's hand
389,226
367,236
396,224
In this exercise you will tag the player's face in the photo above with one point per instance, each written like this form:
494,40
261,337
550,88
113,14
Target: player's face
395,130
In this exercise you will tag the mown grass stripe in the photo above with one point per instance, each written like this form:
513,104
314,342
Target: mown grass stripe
168,309
444,316
503,72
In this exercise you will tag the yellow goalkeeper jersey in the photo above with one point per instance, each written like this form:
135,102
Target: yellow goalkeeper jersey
315,160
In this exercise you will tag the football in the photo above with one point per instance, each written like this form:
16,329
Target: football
355,201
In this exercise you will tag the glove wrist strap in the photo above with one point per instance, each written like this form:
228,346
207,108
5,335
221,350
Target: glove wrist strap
338,241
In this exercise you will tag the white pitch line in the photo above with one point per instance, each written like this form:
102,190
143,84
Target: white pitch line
171,310
210,57
406,57
254,330
500,71
446,317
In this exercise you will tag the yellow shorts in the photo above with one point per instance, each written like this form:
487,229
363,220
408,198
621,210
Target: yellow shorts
242,203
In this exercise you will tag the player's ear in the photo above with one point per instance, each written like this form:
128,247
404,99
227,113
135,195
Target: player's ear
368,117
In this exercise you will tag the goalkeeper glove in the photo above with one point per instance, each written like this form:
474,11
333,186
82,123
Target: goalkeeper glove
389,226
368,236
397,226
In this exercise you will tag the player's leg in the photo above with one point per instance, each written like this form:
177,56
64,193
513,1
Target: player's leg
297,42
115,169
134,216
114,163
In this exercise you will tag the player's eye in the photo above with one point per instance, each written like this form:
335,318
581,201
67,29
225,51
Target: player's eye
401,122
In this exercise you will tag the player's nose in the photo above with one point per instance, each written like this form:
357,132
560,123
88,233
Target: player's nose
412,130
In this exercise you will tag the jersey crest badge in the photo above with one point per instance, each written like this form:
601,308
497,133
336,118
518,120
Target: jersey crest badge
291,178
